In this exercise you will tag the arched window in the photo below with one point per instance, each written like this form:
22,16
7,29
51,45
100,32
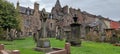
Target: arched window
51,25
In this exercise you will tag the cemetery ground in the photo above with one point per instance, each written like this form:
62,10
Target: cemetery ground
27,47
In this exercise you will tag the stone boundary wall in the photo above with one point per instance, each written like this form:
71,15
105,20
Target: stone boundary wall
3,51
66,50
62,51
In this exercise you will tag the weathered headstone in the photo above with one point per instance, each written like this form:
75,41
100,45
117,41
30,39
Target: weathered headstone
75,38
102,37
60,32
114,39
108,34
67,34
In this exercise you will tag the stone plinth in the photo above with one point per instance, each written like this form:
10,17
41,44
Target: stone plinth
43,45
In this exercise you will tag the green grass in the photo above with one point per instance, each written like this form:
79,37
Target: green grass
26,47
95,48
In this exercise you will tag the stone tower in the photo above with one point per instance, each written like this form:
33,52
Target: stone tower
58,4
36,20
57,10
36,6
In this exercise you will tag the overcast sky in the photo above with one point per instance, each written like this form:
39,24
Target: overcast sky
106,8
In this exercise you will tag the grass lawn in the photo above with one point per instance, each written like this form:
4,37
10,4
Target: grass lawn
26,47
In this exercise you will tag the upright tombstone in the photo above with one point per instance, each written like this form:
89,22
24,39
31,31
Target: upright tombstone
67,33
108,33
75,38
43,43
114,38
59,35
102,37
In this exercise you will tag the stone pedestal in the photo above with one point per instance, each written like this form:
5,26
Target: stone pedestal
43,45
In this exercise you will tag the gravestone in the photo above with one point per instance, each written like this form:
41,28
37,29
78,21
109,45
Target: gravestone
102,37
35,37
108,33
75,37
59,35
114,39
43,43
67,33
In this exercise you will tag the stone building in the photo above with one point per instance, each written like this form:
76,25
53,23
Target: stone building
59,20
31,19
51,24
65,14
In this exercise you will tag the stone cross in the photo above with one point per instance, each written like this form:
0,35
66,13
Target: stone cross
43,20
43,43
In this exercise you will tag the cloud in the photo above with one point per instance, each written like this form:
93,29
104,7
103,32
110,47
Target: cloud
106,8
34,0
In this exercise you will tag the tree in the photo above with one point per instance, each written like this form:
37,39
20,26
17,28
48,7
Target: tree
9,17
19,20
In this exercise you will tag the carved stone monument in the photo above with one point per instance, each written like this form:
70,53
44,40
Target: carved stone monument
75,37
43,43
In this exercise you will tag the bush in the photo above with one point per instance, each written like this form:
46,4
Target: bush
93,36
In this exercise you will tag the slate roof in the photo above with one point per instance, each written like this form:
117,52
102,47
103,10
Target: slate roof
25,10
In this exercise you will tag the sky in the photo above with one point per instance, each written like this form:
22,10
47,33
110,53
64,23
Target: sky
107,8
